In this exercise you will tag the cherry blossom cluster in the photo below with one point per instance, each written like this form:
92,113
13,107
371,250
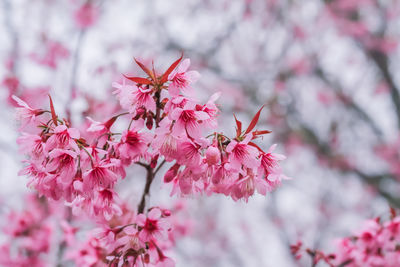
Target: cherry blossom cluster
44,228
28,234
166,125
63,166
235,166
166,122
377,243
140,241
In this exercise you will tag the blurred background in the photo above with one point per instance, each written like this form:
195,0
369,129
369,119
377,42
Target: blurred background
326,71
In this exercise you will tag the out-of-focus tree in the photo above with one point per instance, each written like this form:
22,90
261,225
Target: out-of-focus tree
326,71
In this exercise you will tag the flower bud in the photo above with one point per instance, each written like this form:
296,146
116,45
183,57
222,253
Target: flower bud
171,173
154,161
212,155
149,122
166,213
139,112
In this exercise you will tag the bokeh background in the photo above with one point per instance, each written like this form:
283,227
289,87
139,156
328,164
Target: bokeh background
327,72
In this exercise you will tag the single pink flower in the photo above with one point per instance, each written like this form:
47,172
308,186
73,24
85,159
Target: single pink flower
62,162
181,79
104,203
189,154
133,144
25,114
153,226
31,145
99,177
143,98
165,142
240,153
269,165
187,120
246,186
63,137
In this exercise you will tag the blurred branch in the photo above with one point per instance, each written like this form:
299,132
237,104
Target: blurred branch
348,102
374,180
381,61
8,12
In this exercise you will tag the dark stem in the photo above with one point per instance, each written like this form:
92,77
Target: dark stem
150,173
381,61
146,191
159,166
158,107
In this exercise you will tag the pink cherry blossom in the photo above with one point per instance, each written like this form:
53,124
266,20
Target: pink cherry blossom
160,123
105,204
86,15
99,176
269,165
181,79
241,153
133,144
25,114
63,137
187,120
62,163
153,225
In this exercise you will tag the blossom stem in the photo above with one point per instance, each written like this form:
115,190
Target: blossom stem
87,152
146,191
142,164
158,108
150,173
130,124
159,166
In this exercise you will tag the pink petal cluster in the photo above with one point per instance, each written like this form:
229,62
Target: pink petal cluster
375,244
28,235
62,166
166,124
141,241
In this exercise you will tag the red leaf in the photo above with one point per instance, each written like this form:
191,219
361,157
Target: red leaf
392,213
257,133
144,68
256,146
139,80
110,122
164,78
238,126
261,132
254,121
53,112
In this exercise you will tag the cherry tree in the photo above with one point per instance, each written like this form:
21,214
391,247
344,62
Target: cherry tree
323,71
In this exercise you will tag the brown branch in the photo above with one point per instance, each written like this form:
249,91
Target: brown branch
381,61
150,173
146,191
349,103
376,180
